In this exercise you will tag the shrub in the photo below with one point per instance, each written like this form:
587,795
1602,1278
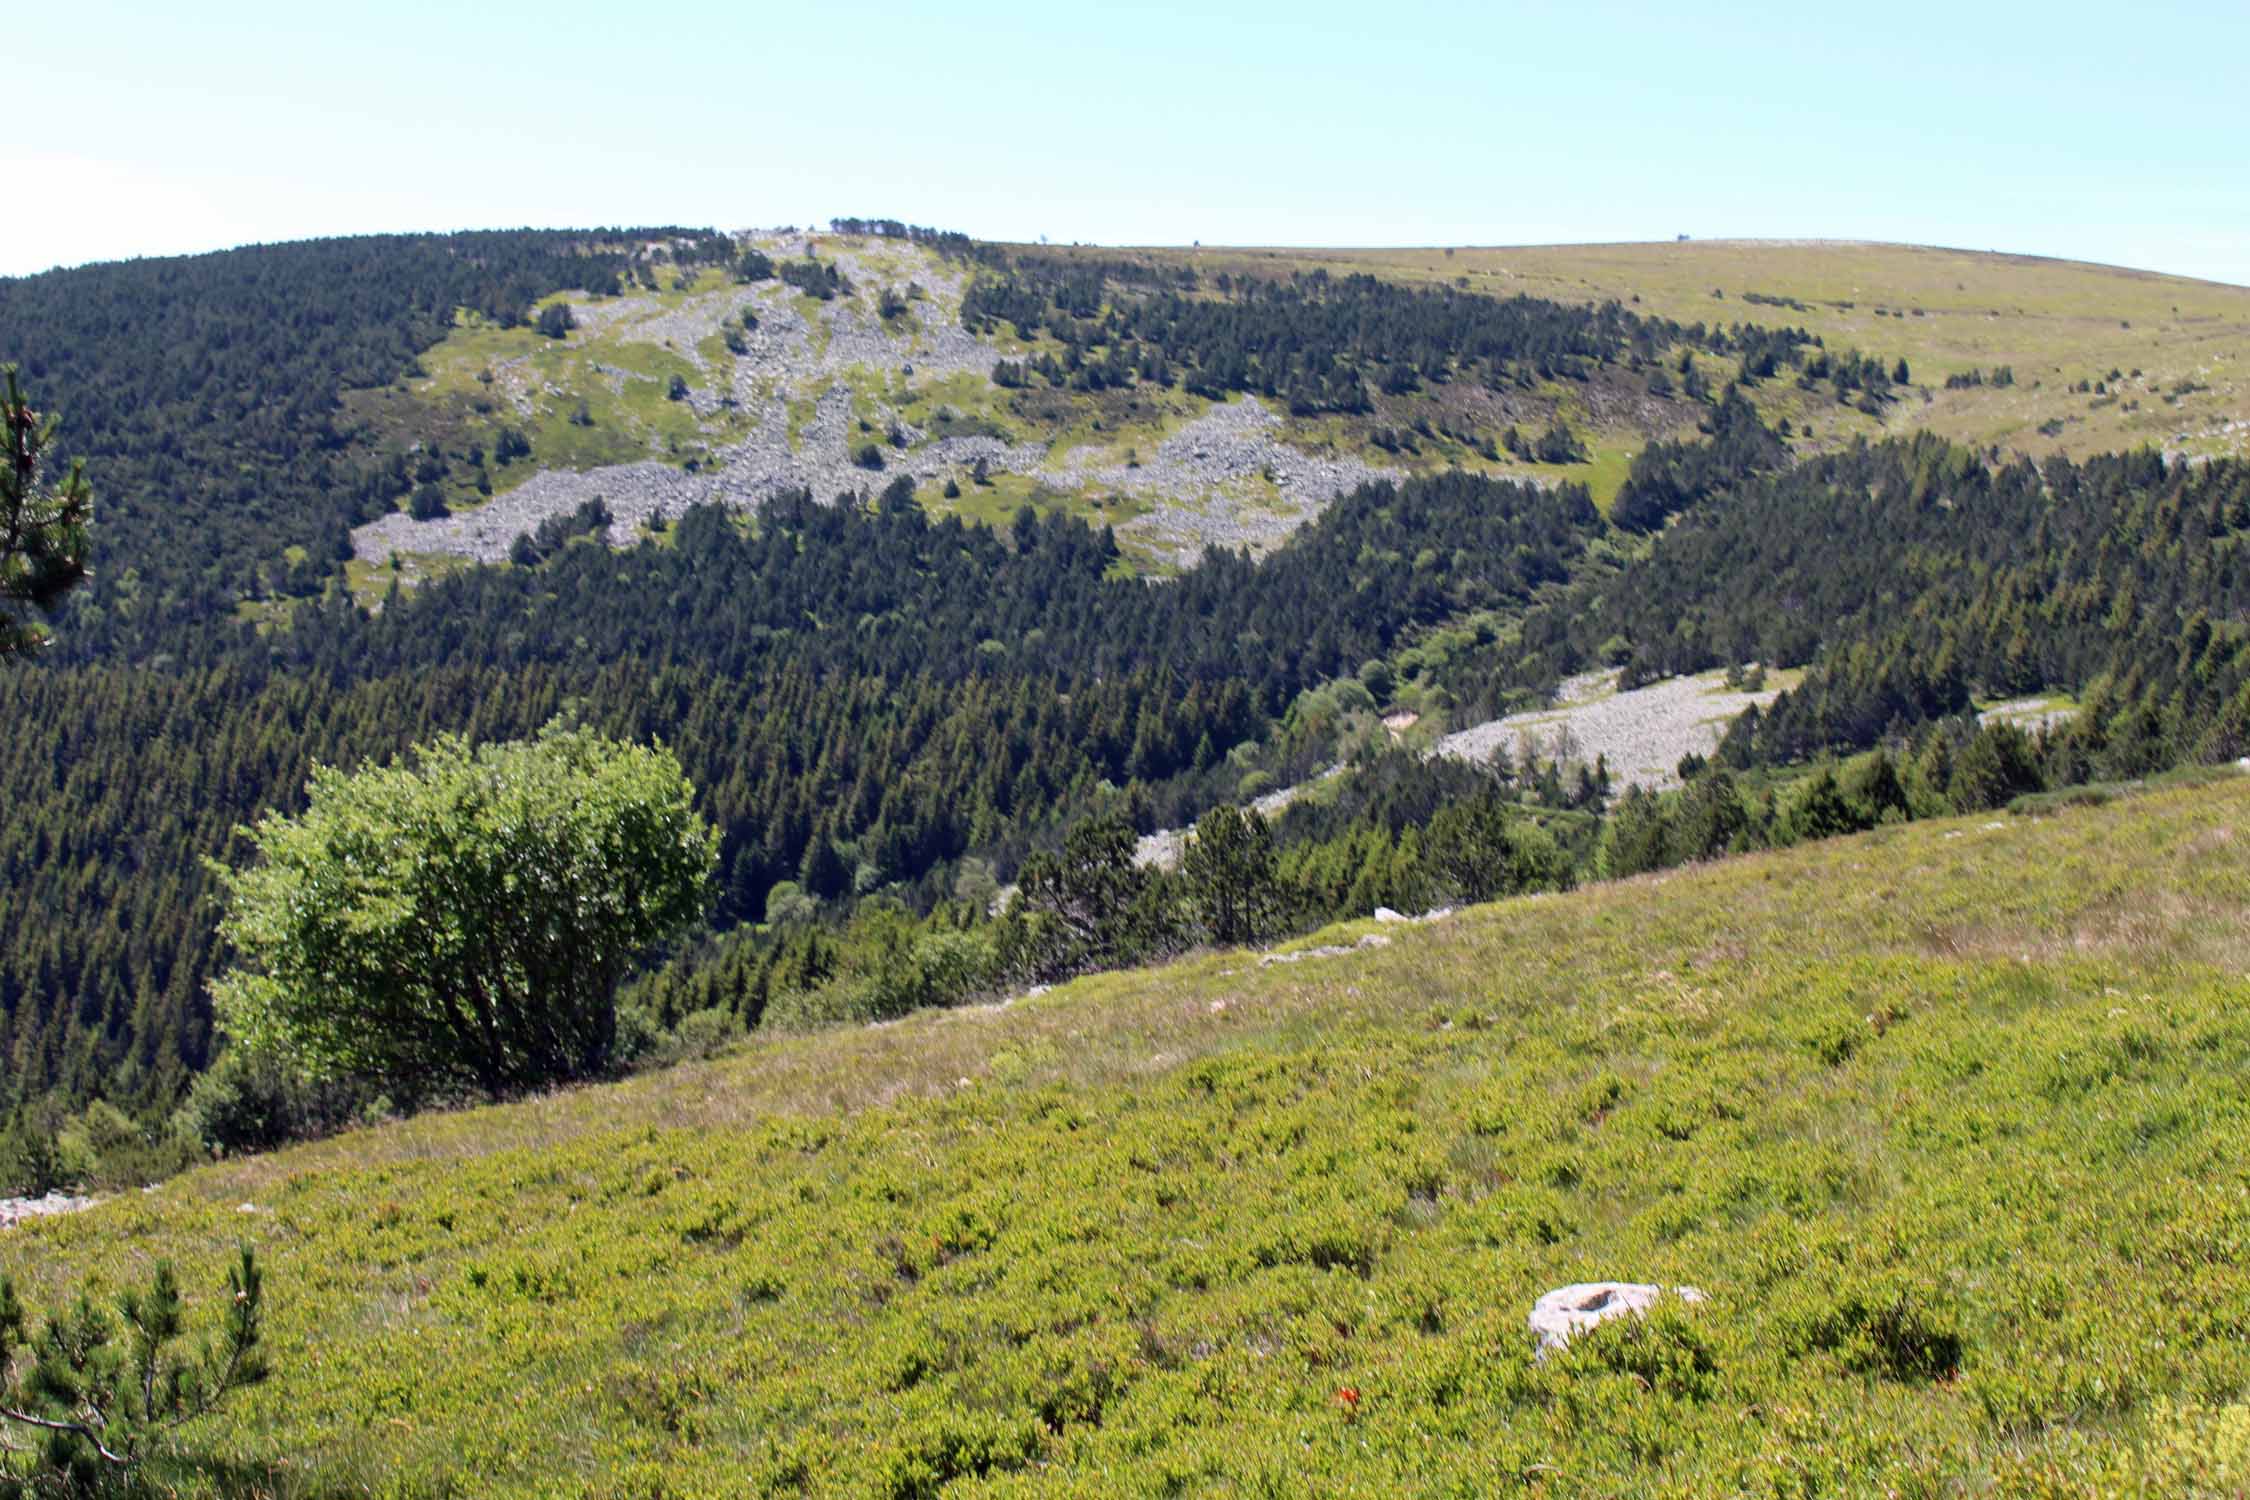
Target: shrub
31,1163
244,1103
1889,1323
463,919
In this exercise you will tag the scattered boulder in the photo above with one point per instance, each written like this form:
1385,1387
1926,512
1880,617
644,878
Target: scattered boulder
14,1211
1572,1309
1385,914
1371,940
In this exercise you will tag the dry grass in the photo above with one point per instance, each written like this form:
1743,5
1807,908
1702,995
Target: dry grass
1947,311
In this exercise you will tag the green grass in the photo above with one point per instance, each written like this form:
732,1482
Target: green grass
369,582
1946,1120
621,377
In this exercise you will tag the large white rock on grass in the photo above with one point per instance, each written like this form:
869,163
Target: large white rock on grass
1570,1310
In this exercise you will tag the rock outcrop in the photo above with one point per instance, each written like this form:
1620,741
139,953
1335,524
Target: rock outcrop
1570,1310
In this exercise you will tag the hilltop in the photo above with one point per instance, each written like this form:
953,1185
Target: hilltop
2170,354
1942,1118
693,386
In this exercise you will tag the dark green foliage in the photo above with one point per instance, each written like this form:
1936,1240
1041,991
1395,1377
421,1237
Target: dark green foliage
1913,577
1821,810
1706,819
1319,343
1484,847
1667,478
556,532
1087,906
31,1164
244,1103
815,279
753,265
1229,873
1559,445
92,1402
1993,769
43,522
556,320
822,677
1410,833
206,392
1313,341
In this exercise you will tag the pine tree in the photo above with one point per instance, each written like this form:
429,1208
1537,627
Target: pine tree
42,526
1228,869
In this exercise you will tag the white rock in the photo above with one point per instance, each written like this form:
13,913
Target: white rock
1573,1309
1385,914
14,1211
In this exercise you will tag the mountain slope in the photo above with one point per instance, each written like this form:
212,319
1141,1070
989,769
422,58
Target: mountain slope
1945,1119
2170,355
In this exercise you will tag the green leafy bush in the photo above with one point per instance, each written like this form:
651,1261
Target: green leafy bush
462,920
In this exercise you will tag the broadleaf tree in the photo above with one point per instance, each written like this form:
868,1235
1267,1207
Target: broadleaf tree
461,920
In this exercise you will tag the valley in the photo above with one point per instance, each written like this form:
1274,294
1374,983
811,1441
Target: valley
1021,688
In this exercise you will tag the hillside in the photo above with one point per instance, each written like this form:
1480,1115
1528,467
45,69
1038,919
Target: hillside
691,384
1943,1118
2170,355
905,697
779,388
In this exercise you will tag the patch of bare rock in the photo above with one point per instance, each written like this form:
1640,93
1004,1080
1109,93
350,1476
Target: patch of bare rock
14,1211
1643,734
1568,1311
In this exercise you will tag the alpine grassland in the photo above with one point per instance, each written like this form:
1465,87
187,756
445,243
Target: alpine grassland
2099,357
1946,1119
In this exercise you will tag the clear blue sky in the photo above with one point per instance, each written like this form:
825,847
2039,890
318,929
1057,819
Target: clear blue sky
2112,132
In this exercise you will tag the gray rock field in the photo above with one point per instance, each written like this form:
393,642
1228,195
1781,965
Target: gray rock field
1644,733
14,1211
1226,479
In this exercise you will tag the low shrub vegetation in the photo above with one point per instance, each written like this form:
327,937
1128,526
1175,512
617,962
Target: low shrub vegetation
1944,1119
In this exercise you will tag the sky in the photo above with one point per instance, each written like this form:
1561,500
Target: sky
2108,132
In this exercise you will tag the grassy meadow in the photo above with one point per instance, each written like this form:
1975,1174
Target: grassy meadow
2182,346
1947,1120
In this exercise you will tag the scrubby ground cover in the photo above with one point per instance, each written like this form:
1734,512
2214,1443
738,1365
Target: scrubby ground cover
1945,1119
